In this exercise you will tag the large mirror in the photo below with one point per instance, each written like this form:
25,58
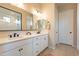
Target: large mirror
9,19
43,24
29,23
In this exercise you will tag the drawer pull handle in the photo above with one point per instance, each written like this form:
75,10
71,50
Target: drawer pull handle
20,49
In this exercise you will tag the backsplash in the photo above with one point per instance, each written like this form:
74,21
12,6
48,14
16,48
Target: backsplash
6,34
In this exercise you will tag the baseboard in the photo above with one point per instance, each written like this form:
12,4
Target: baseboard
52,47
65,44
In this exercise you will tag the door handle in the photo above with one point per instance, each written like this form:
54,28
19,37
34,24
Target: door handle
56,32
70,32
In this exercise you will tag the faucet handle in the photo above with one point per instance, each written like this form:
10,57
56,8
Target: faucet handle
17,35
10,36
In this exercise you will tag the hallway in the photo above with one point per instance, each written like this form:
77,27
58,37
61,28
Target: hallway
61,50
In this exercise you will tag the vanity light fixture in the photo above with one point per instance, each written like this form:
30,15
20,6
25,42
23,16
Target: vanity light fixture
20,5
17,22
6,19
39,14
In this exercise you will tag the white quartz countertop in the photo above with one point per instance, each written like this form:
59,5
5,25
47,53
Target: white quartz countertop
9,40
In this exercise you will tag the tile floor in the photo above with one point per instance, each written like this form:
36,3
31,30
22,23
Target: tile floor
61,50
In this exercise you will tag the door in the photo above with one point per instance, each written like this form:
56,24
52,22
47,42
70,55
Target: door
66,27
45,40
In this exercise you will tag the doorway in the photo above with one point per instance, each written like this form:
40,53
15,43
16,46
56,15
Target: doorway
65,24
66,27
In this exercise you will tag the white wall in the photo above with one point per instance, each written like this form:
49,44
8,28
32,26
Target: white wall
49,10
56,24
77,26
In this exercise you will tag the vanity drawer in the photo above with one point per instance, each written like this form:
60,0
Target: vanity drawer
14,52
36,44
13,45
36,39
36,50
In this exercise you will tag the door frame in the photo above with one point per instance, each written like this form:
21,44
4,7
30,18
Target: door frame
58,32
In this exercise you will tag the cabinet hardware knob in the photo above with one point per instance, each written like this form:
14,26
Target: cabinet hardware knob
21,48
70,32
56,32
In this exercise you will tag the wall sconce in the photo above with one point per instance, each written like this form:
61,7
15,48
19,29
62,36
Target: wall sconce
20,5
39,14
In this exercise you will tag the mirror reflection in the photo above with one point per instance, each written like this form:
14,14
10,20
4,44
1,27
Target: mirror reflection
43,24
9,19
29,23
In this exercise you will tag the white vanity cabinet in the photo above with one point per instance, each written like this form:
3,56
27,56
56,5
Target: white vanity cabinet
39,44
26,47
26,50
43,42
36,45
14,52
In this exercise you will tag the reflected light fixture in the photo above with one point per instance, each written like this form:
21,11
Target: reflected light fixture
20,5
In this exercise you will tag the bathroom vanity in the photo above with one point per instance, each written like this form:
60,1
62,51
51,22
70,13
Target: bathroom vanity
29,45
18,20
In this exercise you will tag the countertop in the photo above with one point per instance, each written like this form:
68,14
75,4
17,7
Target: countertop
9,40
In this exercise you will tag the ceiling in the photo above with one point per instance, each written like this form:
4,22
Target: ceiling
66,5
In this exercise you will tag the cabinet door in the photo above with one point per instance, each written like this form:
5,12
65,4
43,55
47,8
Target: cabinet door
26,50
14,52
36,48
44,42
36,45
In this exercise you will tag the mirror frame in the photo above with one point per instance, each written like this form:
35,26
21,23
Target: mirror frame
15,12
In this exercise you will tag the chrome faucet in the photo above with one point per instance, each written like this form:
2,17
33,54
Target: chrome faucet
15,34
28,33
